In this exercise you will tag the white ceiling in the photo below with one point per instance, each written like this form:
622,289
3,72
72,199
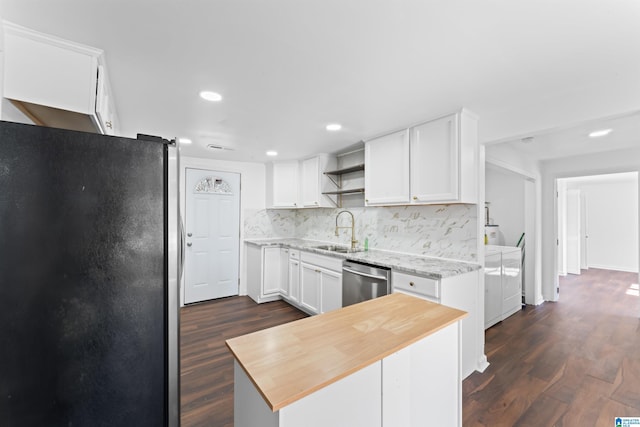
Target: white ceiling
572,140
286,68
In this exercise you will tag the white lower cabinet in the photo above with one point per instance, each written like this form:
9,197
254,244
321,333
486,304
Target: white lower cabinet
330,290
284,272
264,273
271,272
320,283
310,288
309,281
294,276
459,292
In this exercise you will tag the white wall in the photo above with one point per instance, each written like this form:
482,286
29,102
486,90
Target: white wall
252,198
612,222
591,164
505,193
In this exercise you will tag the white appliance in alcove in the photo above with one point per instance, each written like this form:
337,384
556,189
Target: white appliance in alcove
502,282
493,234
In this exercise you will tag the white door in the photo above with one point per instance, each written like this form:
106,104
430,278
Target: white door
573,231
212,235
584,233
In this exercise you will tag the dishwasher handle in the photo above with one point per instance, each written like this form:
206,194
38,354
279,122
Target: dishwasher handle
360,273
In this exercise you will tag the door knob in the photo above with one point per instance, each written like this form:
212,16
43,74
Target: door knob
189,244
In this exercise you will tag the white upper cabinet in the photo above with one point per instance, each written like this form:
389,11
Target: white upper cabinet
282,184
295,184
56,82
434,162
310,182
315,182
104,103
386,174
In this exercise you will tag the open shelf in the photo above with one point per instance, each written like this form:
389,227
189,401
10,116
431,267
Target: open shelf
350,169
349,191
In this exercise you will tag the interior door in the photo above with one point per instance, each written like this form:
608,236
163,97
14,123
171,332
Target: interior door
573,231
212,235
584,233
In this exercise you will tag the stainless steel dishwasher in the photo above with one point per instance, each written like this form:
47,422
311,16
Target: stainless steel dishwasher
361,282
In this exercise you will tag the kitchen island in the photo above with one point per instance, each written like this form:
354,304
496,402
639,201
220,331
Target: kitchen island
390,361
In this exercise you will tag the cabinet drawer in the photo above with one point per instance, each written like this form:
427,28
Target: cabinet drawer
416,284
294,254
328,262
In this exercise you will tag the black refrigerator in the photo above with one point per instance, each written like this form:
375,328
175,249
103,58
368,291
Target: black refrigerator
88,279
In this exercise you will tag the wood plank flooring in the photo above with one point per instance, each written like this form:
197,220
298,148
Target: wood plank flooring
206,389
571,363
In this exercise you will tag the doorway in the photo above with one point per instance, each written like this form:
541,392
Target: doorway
212,235
597,219
512,202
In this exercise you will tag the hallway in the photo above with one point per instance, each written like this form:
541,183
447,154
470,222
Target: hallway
571,363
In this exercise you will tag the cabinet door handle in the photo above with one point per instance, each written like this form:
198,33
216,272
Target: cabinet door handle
189,244
411,284
415,197
109,124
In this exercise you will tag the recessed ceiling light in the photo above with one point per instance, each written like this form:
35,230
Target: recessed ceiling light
602,132
219,147
272,153
185,141
210,96
334,127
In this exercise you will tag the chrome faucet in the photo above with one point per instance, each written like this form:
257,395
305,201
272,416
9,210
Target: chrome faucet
353,228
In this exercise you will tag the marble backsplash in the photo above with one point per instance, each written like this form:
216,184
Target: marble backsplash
446,231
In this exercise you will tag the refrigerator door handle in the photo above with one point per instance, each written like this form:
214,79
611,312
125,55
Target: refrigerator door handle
182,249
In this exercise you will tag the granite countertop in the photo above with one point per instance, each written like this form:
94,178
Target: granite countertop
330,346
433,268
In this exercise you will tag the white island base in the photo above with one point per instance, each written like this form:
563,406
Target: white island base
419,385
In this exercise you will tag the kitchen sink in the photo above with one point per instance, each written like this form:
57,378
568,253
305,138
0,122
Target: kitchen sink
338,249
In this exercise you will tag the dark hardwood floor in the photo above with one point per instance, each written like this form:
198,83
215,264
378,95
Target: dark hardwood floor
571,363
206,389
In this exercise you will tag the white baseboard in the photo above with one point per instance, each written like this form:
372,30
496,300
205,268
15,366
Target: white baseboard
614,268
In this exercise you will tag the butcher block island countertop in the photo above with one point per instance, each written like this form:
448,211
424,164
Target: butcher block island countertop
291,361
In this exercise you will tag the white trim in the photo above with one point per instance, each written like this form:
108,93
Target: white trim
11,28
613,267
504,165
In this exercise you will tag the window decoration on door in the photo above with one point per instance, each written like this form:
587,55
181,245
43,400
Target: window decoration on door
212,185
